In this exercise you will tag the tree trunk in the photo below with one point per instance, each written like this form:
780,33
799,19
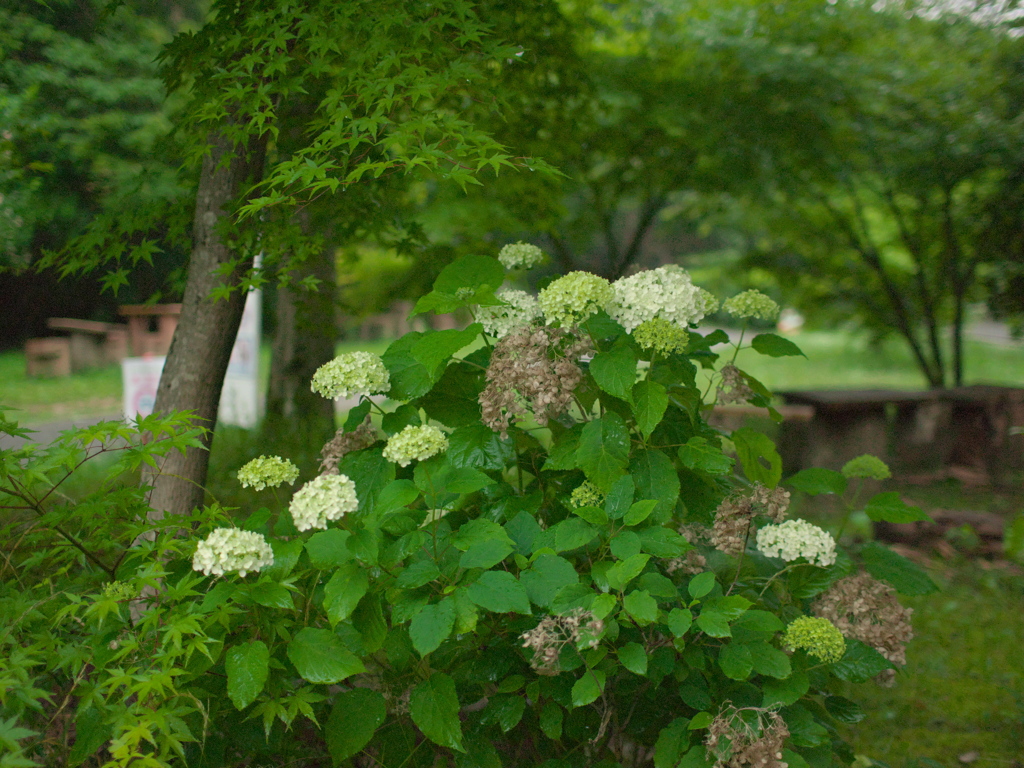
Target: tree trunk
193,374
305,338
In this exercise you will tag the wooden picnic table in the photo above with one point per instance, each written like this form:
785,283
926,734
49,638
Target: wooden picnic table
150,327
92,343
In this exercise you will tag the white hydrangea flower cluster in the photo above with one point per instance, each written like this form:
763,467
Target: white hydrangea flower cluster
327,498
573,298
520,256
751,303
232,549
520,309
797,538
666,292
267,472
415,443
350,375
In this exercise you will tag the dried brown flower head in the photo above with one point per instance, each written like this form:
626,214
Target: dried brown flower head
733,388
532,368
344,442
865,609
555,632
735,513
693,562
750,736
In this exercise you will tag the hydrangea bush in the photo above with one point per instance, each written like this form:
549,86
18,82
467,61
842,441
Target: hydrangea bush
536,552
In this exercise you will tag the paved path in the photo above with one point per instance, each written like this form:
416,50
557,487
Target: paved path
46,433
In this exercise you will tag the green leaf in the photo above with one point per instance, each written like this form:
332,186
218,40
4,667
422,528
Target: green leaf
649,403
769,660
478,446
818,480
656,478
844,710
641,606
417,574
700,721
634,658
906,576
396,495
547,575
759,621
434,707
588,688
432,626
476,272
714,624
860,663
499,592
568,535
701,584
615,370
486,554
603,605
679,621
524,531
369,470
620,497
551,720
409,377
761,462
730,606
603,451
699,454
344,591
477,531
435,348
624,571
888,507
328,549
593,515
247,666
321,657
663,542
639,511
271,595
355,717
673,741
785,692
775,346
735,661
92,731
626,544
570,597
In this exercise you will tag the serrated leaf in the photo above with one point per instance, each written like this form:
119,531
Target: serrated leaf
619,497
888,507
714,624
761,462
639,511
907,577
547,575
247,666
499,592
603,452
615,370
344,591
769,660
432,626
818,480
784,692
701,584
478,446
328,549
551,720
775,346
641,606
844,710
701,455
355,717
486,554
735,661
679,621
434,707
435,348
672,743
588,688
860,663
650,400
624,571
634,658
321,657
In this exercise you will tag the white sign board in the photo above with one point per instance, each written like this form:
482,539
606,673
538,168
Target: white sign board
240,402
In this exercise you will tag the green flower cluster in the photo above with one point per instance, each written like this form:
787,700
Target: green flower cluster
661,336
120,590
267,472
415,444
520,256
586,495
571,299
751,303
867,466
819,637
350,375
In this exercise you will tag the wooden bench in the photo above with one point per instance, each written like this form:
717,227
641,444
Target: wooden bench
92,343
151,327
